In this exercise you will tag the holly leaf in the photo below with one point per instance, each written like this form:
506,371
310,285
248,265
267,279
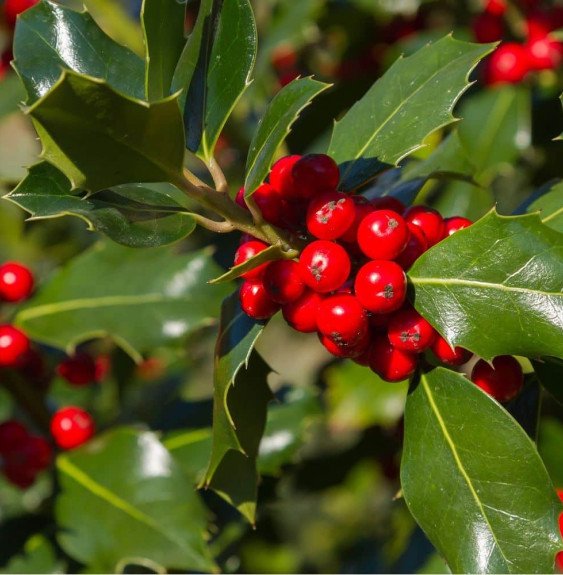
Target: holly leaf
271,253
474,481
11,95
50,38
241,396
192,450
550,440
99,138
134,215
111,514
38,557
275,125
550,205
494,288
549,371
215,69
149,298
411,100
163,28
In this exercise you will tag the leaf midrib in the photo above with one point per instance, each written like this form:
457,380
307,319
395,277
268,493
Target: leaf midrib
459,463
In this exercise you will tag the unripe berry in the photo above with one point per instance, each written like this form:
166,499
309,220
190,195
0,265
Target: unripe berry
281,177
249,250
13,345
12,8
454,224
381,286
330,215
415,247
255,301
283,282
508,64
314,174
448,355
16,282
79,370
342,318
363,208
428,220
71,427
301,314
409,331
383,235
324,266
389,363
503,380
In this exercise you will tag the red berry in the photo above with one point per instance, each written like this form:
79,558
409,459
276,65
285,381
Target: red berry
446,354
284,57
488,28
37,452
324,266
239,199
415,247
81,369
380,321
301,314
71,427
363,208
12,8
508,64
388,203
283,282
255,301
559,556
389,363
428,220
16,282
12,435
383,235
13,345
409,331
544,53
330,214
314,174
453,225
496,7
503,380
381,286
281,177
342,318
247,251
19,474
270,203
345,349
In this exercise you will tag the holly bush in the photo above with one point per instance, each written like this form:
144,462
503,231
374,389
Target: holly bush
395,173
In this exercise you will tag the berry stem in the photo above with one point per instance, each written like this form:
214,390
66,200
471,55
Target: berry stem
218,176
28,399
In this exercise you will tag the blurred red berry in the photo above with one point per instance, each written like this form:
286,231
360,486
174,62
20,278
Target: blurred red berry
508,64
16,282
12,8
71,427
80,369
488,28
503,380
14,344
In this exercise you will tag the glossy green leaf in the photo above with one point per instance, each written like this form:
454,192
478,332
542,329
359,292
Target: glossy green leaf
276,124
495,126
50,37
241,396
147,298
192,450
38,556
110,513
271,253
163,28
550,206
495,288
474,481
550,440
357,398
12,95
549,371
135,215
412,99
100,139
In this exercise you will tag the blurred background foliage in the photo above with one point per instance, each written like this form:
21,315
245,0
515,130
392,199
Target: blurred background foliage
335,435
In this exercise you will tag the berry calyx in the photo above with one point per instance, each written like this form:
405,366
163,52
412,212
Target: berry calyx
390,363
409,331
428,220
245,252
342,318
508,64
16,282
281,177
454,224
283,282
81,369
255,301
14,344
71,427
301,314
314,174
448,355
324,266
503,380
416,246
381,286
383,235
330,215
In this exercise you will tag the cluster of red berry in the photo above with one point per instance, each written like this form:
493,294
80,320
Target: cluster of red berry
511,62
8,14
22,454
349,284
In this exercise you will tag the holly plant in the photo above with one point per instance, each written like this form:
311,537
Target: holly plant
461,319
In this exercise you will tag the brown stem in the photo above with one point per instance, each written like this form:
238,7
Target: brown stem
218,176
